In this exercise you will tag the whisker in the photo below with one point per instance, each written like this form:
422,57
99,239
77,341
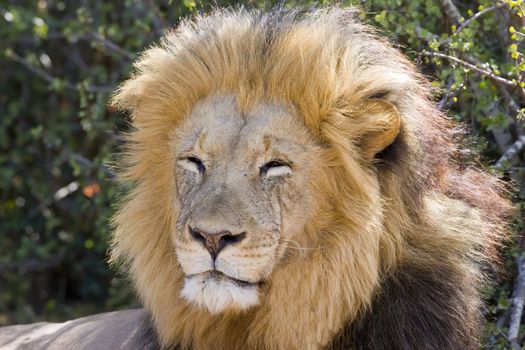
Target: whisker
292,244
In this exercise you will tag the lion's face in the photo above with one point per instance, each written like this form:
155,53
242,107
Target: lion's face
242,189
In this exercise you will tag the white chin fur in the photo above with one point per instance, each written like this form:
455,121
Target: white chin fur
218,295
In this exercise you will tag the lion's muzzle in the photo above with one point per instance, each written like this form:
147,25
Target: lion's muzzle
215,242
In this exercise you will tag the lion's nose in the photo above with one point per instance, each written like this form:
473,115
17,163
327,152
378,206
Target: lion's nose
215,242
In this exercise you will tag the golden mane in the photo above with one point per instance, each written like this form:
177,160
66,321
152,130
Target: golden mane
411,208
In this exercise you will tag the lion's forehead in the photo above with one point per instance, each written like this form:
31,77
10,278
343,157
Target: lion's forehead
217,127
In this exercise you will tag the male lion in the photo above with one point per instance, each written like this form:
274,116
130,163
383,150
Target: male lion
294,188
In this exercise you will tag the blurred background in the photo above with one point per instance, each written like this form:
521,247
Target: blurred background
61,60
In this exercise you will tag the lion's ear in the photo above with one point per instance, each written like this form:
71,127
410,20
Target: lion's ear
383,124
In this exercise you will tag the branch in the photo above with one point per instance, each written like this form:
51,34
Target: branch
50,79
518,302
482,71
512,106
428,34
511,152
158,20
450,10
500,323
470,20
37,71
110,45
31,264
89,163
444,103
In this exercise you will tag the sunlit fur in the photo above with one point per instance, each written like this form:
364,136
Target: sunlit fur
216,296
410,205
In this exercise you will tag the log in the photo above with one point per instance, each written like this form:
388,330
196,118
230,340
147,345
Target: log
130,329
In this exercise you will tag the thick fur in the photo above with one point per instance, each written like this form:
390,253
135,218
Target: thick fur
394,248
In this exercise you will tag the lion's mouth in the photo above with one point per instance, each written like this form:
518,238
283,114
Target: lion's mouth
219,276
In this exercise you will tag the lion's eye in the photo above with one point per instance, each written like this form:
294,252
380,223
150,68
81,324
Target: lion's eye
275,168
192,164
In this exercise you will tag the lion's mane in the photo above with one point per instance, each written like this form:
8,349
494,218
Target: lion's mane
409,280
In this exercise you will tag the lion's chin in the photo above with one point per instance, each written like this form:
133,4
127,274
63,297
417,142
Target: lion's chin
219,293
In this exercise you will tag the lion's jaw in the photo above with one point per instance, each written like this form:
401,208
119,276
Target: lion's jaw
242,191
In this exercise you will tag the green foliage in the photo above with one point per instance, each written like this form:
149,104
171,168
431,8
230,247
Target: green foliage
60,61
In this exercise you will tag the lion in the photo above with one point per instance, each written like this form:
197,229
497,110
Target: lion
295,187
